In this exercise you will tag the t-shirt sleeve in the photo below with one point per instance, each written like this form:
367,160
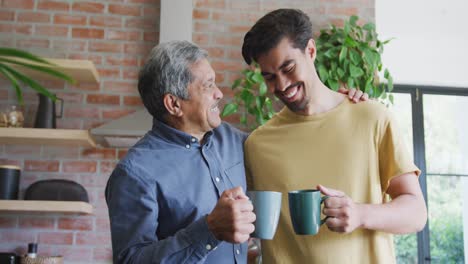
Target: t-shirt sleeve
394,157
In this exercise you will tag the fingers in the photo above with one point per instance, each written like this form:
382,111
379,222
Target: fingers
330,191
235,193
351,93
343,90
357,96
365,97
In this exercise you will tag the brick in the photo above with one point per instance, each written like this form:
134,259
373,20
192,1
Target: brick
235,54
22,150
105,21
80,112
16,235
142,23
56,238
10,162
20,4
121,61
250,6
210,27
105,47
346,11
132,100
151,36
120,87
7,15
60,152
91,181
41,223
130,74
33,43
152,2
69,19
123,35
33,17
75,224
99,153
18,29
69,124
41,165
8,222
116,113
96,59
226,65
89,124
71,97
138,48
88,238
79,166
150,11
239,29
210,4
76,254
109,72
53,5
201,14
107,167
102,254
233,17
86,87
122,153
53,31
224,40
103,99
88,7
69,45
200,38
90,33
102,223
215,52
126,10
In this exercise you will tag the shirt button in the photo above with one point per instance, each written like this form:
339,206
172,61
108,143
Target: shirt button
237,251
193,140
217,179
208,246
187,146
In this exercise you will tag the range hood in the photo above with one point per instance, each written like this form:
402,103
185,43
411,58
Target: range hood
175,24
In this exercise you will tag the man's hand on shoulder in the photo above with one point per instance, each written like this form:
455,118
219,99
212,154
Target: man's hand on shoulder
354,94
232,218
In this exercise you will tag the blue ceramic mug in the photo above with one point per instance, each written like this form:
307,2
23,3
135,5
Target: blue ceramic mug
267,208
305,210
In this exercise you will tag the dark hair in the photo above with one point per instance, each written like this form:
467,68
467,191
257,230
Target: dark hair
272,28
167,71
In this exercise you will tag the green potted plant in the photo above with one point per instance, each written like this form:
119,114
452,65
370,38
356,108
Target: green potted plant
10,56
348,56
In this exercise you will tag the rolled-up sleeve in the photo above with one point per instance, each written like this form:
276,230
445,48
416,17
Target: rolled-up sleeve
133,212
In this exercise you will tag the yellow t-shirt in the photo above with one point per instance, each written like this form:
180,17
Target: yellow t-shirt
354,148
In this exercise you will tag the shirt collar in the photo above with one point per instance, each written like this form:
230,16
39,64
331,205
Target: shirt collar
176,136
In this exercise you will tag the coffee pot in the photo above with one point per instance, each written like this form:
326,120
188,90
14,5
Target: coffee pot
46,113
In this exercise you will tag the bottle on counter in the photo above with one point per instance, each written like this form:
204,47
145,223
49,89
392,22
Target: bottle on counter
32,250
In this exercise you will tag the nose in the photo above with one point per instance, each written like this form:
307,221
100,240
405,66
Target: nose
218,94
282,83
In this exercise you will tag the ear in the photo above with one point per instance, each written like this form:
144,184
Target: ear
172,104
311,49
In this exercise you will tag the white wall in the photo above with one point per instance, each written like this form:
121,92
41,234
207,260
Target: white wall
431,40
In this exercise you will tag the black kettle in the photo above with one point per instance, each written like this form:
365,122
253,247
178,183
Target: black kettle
46,113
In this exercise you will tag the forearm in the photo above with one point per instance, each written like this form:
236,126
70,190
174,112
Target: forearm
404,214
187,244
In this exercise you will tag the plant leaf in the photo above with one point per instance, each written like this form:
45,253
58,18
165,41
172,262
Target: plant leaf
9,52
236,83
14,81
355,72
40,68
343,53
262,89
229,109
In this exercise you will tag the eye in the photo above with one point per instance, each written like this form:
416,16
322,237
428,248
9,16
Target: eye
268,77
289,69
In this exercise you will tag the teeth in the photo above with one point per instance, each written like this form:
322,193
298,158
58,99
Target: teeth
214,109
290,92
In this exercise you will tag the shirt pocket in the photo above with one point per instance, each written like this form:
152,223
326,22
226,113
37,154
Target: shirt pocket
235,175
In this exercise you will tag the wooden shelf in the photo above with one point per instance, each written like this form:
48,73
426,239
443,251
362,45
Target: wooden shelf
44,136
15,206
80,70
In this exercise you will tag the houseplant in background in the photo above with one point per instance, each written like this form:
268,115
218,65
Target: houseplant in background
348,56
9,58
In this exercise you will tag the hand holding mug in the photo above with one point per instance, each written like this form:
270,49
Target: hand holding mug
232,218
344,215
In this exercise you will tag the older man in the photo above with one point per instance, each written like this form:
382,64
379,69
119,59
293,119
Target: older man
178,195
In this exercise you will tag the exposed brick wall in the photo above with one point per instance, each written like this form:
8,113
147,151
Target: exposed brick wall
116,35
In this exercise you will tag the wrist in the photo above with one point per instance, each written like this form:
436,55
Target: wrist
363,210
210,223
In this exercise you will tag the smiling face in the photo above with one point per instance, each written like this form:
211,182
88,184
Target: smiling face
290,73
201,111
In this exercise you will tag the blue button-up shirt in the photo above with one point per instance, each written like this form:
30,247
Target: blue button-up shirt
160,193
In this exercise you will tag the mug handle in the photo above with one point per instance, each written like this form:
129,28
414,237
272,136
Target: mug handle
325,197
61,108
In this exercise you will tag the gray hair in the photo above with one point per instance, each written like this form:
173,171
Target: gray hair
167,71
